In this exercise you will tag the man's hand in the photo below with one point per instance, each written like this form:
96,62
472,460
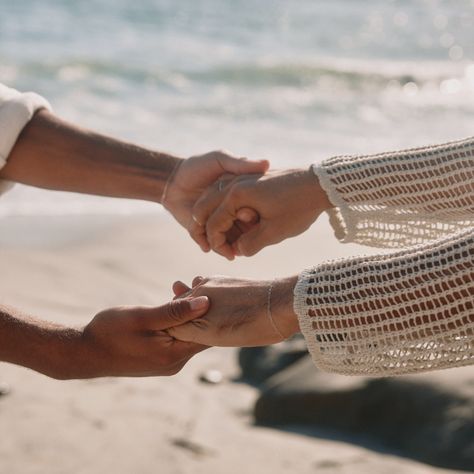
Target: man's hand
133,342
239,314
54,154
195,175
286,202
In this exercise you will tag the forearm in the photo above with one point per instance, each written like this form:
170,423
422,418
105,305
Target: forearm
54,350
400,198
53,154
281,306
391,314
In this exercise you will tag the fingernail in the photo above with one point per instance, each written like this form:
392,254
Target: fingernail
246,217
201,302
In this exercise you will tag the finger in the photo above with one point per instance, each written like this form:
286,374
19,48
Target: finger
225,249
219,224
234,165
247,219
180,353
243,227
198,234
186,333
253,241
209,200
174,313
233,234
185,350
179,288
197,280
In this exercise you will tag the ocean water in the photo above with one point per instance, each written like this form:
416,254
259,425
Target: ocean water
291,81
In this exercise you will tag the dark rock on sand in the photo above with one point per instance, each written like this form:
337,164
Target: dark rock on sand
4,389
260,363
429,417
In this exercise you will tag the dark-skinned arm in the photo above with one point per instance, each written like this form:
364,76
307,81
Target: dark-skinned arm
124,341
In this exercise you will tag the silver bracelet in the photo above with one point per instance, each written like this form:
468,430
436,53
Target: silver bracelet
269,311
168,182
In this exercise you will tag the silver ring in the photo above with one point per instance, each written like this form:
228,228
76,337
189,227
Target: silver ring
220,186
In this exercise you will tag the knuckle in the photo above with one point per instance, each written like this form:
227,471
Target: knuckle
221,151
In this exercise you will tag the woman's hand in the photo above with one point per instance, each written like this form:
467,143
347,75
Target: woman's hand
239,313
286,202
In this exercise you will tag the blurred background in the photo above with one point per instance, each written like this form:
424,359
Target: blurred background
291,81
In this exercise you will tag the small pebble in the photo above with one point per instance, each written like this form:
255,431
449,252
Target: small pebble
4,389
191,446
211,376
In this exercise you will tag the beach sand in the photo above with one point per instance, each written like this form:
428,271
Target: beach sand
66,270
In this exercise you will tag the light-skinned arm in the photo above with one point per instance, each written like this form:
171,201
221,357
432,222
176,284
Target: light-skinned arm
390,200
388,314
239,315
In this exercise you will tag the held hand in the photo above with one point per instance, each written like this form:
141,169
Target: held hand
133,342
239,315
194,175
287,203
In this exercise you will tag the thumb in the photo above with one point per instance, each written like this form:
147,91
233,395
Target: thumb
178,312
247,215
243,166
252,241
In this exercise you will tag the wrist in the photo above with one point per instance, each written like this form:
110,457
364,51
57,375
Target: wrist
68,358
72,355
165,167
314,193
84,357
283,313
54,351
164,201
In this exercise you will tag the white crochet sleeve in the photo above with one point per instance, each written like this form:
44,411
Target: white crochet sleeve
403,198
16,110
390,314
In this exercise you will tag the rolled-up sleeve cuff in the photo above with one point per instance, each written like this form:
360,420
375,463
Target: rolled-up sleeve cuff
16,110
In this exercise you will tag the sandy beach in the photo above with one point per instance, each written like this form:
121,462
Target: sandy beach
67,269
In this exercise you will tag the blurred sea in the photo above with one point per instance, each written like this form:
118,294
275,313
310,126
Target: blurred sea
292,81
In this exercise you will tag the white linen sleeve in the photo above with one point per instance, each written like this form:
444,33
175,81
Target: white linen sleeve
404,312
403,198
16,110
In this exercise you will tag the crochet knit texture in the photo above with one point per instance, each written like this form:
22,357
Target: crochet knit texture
402,312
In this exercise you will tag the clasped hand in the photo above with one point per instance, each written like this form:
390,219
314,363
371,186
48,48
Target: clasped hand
242,312
243,214
240,215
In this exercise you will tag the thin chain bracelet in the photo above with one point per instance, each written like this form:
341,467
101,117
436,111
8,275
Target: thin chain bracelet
269,311
168,182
